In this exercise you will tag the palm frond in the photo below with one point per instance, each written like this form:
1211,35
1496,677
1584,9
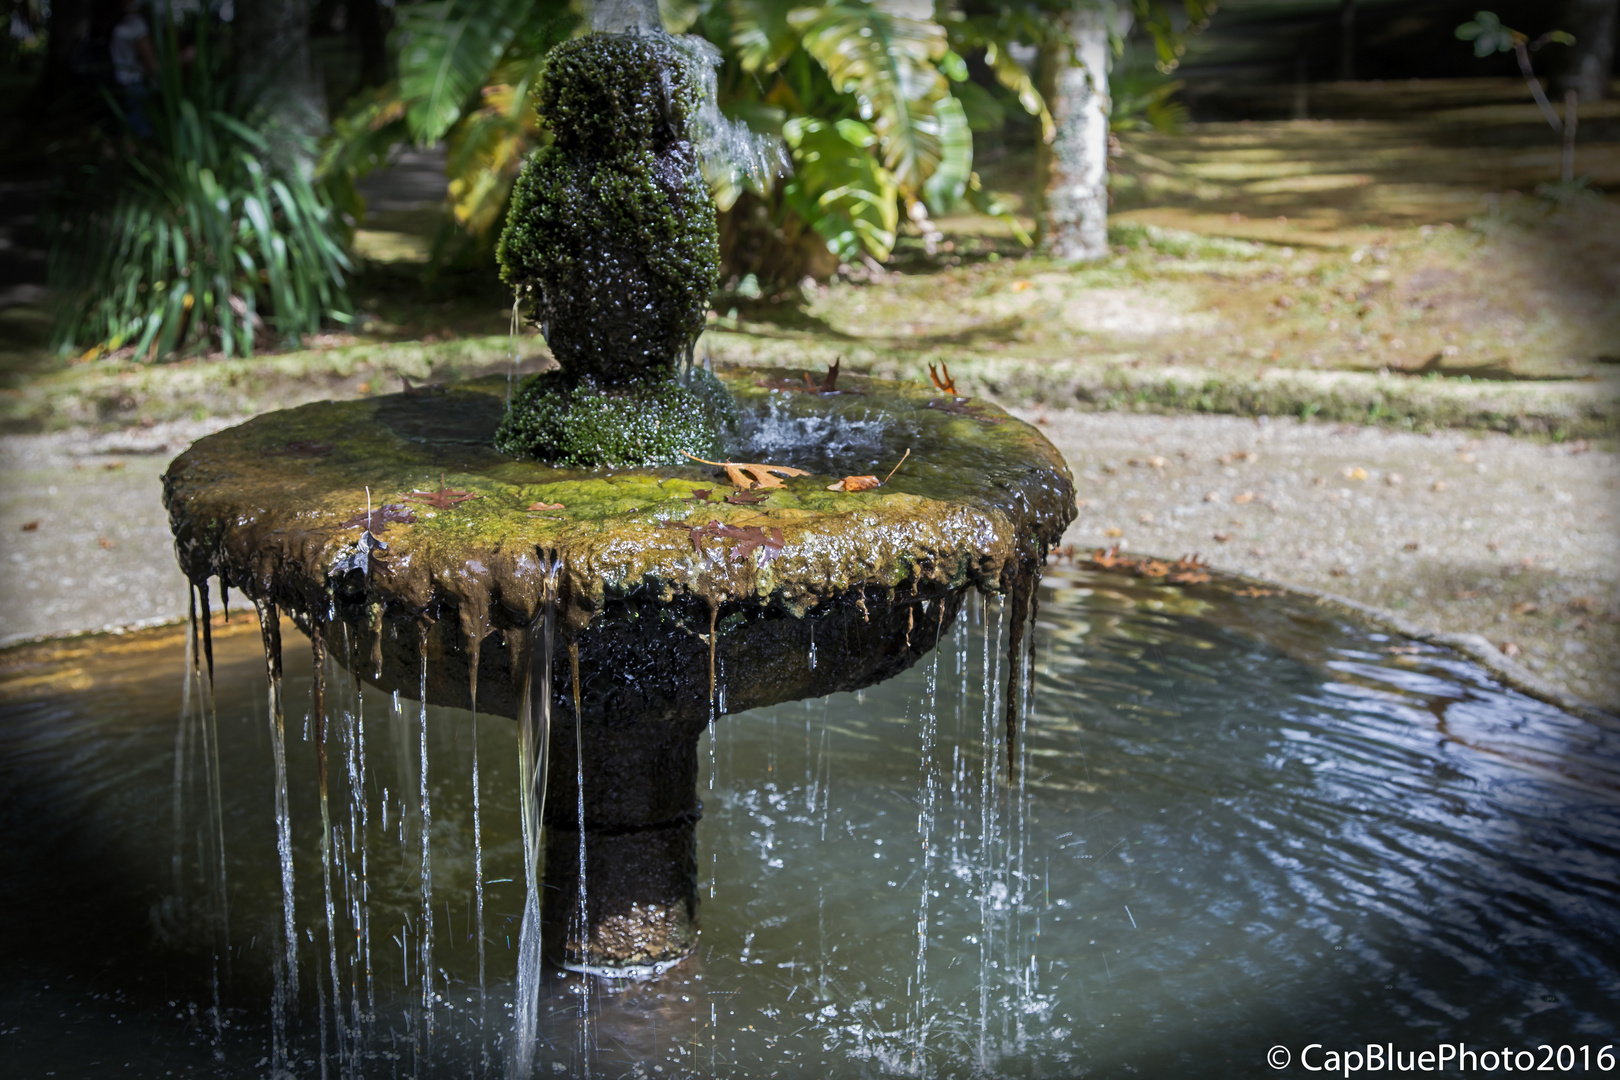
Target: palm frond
840,188
450,47
888,62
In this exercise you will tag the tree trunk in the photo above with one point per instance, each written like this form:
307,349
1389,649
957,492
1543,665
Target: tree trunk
66,27
1347,39
271,48
1587,67
1074,168
366,23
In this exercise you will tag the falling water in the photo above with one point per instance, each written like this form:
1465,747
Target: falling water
511,355
317,643
928,807
992,892
196,766
284,998
427,865
582,909
534,758
474,649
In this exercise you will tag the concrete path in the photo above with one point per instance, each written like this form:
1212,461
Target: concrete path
1515,540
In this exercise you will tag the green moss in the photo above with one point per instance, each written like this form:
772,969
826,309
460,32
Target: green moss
611,239
610,94
582,424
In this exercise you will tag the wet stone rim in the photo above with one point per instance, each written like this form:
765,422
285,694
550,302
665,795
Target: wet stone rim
264,506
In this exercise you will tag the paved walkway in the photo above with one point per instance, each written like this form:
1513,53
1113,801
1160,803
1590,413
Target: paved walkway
1514,540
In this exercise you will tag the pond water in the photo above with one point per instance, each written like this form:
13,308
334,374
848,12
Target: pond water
1236,822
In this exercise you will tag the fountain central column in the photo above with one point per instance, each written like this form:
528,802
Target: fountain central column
628,898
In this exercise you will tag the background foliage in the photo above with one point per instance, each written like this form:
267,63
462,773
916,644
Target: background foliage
197,237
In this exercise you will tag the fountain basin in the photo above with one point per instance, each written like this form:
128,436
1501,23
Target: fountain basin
675,596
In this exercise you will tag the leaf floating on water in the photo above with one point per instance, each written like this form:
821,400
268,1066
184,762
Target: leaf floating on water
959,406
304,448
746,476
945,383
750,538
444,498
423,389
744,498
867,483
378,520
828,385
856,483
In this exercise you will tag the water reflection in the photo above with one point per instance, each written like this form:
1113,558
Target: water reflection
1235,823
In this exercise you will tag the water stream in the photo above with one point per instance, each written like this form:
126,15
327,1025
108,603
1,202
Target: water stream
1232,823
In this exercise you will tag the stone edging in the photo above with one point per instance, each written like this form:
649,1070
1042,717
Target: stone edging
1476,647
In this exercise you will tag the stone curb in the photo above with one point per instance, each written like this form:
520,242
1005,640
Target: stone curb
1476,647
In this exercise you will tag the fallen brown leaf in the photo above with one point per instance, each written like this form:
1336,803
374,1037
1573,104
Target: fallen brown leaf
1465,594
1410,545
545,506
30,526
1339,571
750,538
442,499
1439,485
1222,537
1510,649
1526,607
867,483
942,382
1584,604
1246,497
106,544
112,465
748,476
1116,531
744,498
377,521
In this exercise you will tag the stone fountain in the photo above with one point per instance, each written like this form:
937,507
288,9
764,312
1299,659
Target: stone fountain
621,550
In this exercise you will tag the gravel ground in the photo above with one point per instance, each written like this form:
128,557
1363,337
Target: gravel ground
87,540
1514,540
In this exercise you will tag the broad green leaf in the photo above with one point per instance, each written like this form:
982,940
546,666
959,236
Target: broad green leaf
888,62
840,189
450,47
944,187
761,34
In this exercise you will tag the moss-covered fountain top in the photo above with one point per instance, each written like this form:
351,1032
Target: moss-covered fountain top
444,543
